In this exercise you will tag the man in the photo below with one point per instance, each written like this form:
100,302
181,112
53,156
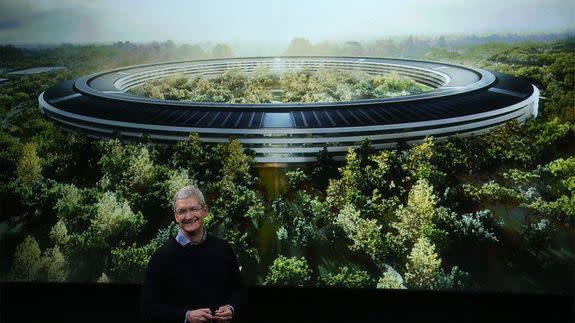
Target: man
193,277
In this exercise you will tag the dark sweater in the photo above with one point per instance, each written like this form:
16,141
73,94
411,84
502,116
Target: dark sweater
181,278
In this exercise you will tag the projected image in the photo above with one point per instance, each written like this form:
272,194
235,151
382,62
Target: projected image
360,159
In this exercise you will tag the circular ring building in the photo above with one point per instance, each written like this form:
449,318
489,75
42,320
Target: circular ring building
463,100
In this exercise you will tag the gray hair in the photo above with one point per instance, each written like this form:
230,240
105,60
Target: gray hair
189,191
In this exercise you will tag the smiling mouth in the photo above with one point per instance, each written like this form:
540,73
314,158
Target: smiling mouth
191,221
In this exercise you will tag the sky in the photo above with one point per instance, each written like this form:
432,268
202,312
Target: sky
190,21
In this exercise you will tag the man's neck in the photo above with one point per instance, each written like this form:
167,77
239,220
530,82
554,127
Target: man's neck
196,236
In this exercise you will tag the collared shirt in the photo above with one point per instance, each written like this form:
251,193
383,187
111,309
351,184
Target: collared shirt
183,239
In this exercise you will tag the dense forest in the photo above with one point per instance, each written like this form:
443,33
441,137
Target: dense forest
492,212
265,86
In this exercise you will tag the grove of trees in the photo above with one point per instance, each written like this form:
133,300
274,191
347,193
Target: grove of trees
298,86
492,212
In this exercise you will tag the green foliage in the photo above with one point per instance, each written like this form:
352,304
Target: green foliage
522,145
323,170
423,265
190,155
176,180
564,171
103,279
385,174
537,234
456,279
236,165
58,185
562,209
129,264
548,190
288,272
164,234
365,234
478,226
221,51
390,279
421,161
68,157
236,214
26,259
132,172
301,220
366,181
29,167
115,161
9,157
299,46
415,220
59,234
236,203
114,222
323,85
73,206
296,179
345,277
30,265
140,169
492,192
300,233
52,266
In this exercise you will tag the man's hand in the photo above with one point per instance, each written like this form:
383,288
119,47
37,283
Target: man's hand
199,315
223,314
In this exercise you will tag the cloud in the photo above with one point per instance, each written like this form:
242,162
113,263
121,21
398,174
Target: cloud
51,21
55,24
10,24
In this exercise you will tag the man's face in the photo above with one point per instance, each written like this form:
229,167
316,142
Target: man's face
190,215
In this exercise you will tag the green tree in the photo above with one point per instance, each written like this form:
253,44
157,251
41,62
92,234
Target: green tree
345,277
296,179
564,171
301,220
53,266
74,206
30,265
26,260
9,157
288,272
456,279
390,279
221,51
236,214
29,166
131,172
236,165
104,279
371,182
423,265
189,154
324,169
177,179
365,234
416,219
299,46
421,163
342,191
129,264
478,226
114,222
59,234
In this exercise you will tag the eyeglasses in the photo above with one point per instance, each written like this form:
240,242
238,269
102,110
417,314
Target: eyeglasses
183,212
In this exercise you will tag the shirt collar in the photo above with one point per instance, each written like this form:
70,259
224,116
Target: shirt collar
182,239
